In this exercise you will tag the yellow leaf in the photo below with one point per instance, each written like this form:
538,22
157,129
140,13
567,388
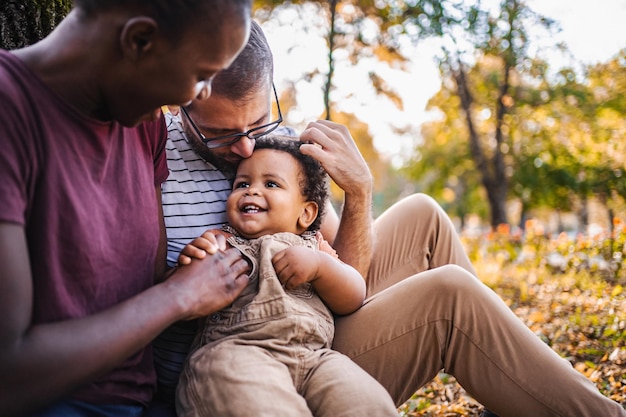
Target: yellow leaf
617,290
537,317
523,291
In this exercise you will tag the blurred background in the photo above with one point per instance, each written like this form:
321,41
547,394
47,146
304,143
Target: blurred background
501,110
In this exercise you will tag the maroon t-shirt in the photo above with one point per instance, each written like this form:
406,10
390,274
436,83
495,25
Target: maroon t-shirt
85,192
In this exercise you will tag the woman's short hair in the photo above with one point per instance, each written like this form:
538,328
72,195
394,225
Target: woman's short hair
173,16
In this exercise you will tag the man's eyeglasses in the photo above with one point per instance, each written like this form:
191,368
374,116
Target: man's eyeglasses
227,140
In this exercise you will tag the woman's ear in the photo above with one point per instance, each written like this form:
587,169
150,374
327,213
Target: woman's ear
308,215
138,36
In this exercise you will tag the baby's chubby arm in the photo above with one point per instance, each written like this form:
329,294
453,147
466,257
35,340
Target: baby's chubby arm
340,286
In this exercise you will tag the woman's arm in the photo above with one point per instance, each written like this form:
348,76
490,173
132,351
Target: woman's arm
41,363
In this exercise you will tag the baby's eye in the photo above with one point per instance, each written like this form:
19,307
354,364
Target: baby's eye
241,184
271,184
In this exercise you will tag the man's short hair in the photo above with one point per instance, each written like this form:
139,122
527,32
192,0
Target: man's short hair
252,70
314,181
173,16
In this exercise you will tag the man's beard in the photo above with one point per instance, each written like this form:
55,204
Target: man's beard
227,168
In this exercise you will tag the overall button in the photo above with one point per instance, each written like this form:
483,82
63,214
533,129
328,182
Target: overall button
215,317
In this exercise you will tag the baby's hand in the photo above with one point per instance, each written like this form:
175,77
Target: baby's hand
210,242
296,265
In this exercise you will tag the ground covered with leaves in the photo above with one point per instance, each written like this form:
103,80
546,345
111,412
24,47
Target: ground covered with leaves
568,289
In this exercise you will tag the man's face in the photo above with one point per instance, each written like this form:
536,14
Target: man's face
176,72
218,116
267,196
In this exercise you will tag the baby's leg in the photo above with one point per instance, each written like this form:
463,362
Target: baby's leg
236,380
336,386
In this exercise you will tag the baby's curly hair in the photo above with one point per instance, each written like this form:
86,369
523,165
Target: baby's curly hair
314,181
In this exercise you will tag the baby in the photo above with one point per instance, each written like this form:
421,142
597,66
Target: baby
269,353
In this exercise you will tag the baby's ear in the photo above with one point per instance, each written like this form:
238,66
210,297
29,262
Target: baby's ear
308,215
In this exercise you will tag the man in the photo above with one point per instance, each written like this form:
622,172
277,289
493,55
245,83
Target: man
81,233
426,310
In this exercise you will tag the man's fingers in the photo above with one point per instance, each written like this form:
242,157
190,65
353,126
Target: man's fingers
313,150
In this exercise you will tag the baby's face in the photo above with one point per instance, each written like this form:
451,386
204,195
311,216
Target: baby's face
267,196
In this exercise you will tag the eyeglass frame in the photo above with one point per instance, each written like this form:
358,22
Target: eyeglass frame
236,137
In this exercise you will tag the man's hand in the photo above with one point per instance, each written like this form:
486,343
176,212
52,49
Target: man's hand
332,145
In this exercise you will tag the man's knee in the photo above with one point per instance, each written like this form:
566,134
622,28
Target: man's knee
452,279
421,203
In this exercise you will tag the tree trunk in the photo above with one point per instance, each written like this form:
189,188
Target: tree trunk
583,214
523,216
23,23
331,60
492,172
497,202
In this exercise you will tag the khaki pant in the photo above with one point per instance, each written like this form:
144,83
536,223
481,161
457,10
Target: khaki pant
268,354
424,315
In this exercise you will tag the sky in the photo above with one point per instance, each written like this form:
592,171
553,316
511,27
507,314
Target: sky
593,31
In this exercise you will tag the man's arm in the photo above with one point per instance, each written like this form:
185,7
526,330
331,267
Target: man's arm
340,157
330,223
41,363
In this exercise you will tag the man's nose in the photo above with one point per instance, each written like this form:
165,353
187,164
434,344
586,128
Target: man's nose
243,147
